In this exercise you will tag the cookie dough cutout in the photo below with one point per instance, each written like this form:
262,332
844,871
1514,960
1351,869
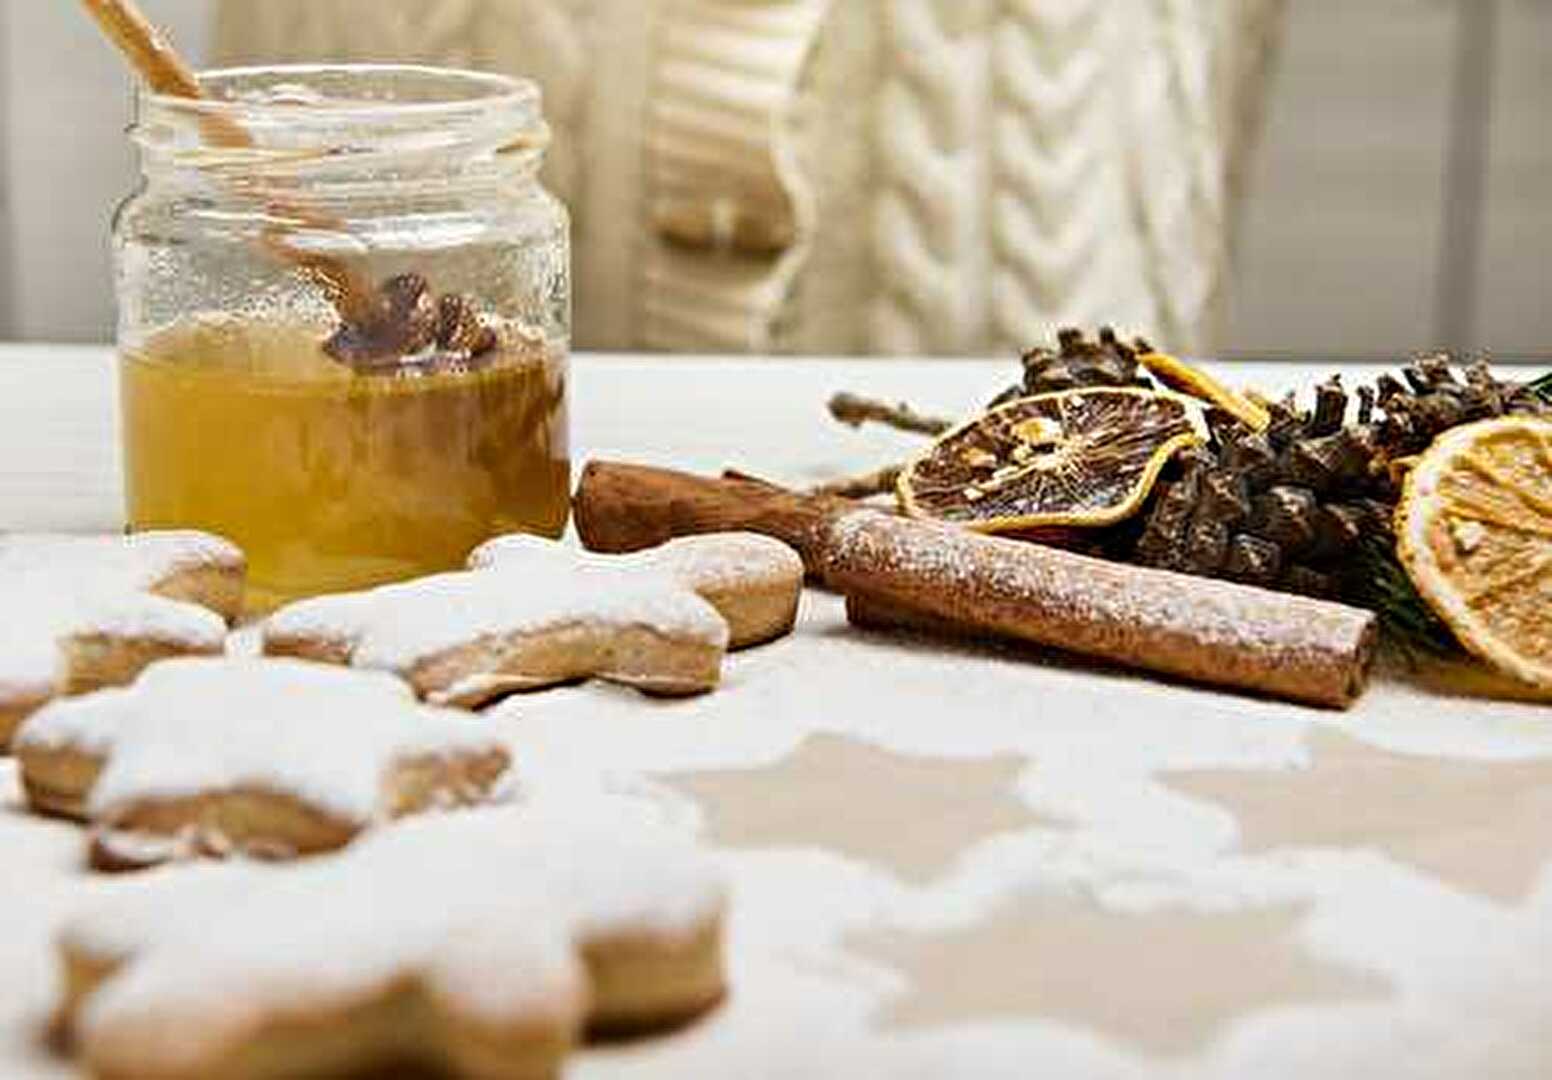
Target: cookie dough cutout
536,614
473,944
753,581
84,612
265,759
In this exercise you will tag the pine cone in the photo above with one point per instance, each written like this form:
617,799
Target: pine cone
1432,400
1079,362
1287,508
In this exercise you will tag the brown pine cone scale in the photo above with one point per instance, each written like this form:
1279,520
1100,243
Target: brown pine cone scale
1288,508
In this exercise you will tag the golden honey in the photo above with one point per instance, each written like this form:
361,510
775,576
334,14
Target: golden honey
332,480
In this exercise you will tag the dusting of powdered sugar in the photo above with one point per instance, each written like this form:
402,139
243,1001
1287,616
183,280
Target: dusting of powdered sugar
193,726
596,860
428,617
715,561
336,619
395,627
60,587
322,934
1095,739
41,620
493,906
87,564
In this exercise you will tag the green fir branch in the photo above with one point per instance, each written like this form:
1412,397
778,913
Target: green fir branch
1379,582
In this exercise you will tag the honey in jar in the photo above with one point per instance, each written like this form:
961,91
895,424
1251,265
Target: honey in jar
344,317
330,479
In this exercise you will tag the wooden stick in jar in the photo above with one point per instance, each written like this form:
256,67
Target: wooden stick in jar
899,572
166,72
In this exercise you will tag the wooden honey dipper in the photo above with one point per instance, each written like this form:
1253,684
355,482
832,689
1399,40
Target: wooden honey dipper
151,55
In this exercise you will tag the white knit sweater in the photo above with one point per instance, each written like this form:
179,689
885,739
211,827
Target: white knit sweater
944,176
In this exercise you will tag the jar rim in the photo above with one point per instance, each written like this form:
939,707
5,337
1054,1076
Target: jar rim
498,90
332,105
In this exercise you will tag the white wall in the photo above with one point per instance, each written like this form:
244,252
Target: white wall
1343,245
1515,294
65,100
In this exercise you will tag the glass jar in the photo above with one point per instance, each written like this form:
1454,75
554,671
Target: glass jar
344,321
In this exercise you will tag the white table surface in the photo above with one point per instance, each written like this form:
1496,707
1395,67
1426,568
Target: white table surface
960,861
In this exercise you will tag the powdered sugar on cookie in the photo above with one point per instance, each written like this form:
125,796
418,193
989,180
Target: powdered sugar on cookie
753,581
84,612
719,559
40,619
512,934
520,623
348,749
440,613
140,562
319,932
607,871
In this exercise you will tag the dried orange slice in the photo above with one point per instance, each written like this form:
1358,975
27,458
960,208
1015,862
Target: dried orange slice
1182,377
1474,530
1084,457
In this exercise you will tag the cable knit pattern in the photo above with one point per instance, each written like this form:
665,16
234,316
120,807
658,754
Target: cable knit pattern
1061,254
728,204
1179,166
543,39
902,176
928,221
444,31
554,52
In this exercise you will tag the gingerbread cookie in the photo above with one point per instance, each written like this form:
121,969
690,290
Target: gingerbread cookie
271,759
479,945
753,581
87,612
547,616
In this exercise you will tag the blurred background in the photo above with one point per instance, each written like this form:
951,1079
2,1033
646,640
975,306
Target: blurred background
1334,177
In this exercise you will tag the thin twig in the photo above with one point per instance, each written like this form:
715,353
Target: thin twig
880,482
854,410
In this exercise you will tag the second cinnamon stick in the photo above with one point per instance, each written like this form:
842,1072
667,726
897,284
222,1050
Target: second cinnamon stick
896,571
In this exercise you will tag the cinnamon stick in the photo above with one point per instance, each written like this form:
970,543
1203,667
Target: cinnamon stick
621,508
897,571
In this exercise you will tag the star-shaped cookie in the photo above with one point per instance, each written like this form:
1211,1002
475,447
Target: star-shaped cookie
266,758
88,612
534,613
480,944
920,816
1478,826
753,581
1166,983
